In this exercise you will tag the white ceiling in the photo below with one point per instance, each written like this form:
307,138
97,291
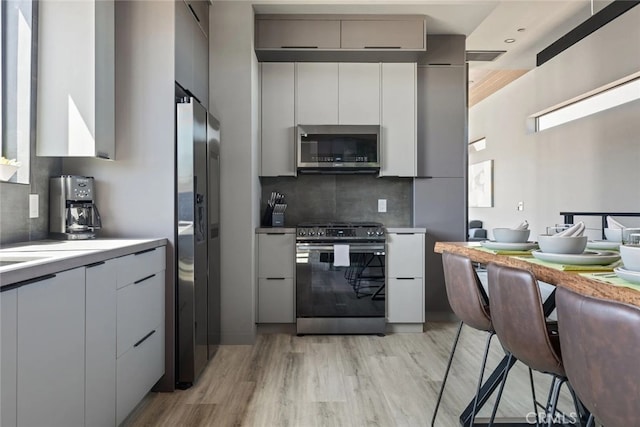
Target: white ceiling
485,23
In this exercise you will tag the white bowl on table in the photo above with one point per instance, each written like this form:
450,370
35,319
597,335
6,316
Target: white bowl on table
630,257
562,244
619,234
509,235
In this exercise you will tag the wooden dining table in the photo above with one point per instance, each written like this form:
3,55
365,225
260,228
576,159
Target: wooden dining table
566,279
579,283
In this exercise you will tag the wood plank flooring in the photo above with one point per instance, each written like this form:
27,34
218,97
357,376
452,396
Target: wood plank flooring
285,380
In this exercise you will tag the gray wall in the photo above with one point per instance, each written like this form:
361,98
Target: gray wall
15,224
233,99
322,198
590,164
136,192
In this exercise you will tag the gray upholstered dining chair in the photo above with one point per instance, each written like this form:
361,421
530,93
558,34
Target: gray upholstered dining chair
600,343
518,318
469,302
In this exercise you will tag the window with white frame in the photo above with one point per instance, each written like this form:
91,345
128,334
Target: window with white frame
17,75
602,99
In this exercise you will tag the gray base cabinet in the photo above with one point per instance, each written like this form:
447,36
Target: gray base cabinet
51,337
78,351
276,278
100,344
8,358
405,277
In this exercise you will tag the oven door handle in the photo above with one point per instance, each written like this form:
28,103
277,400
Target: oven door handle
368,248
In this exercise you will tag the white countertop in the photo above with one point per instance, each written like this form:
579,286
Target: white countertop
405,230
285,230
45,257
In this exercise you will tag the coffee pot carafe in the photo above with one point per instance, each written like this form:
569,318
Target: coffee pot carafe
73,213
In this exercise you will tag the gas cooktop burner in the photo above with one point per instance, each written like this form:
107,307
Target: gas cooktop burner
341,231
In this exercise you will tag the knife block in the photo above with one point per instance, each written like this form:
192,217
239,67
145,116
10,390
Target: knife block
277,219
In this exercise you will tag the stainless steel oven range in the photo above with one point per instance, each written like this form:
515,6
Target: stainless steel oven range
340,278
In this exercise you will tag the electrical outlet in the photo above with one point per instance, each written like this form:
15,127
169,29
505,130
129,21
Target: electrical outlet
34,206
382,205
520,206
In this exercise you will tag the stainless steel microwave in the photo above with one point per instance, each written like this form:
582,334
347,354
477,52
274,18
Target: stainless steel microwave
338,148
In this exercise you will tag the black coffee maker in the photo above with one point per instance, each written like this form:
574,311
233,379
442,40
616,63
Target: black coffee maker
73,215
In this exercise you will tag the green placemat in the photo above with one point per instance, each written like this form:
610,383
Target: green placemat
611,279
505,252
572,267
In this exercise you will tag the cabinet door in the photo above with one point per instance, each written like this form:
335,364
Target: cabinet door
184,45
8,357
317,93
76,79
398,120
297,33
100,345
405,255
276,253
276,300
405,300
383,34
278,119
200,12
51,344
359,93
200,66
442,122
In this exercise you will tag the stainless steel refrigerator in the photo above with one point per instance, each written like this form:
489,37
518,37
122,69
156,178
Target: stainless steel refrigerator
198,248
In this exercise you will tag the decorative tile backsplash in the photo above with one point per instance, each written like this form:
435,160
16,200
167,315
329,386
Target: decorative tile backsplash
324,198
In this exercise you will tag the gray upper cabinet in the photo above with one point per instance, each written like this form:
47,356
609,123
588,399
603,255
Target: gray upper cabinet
200,11
297,34
76,79
442,121
398,120
359,94
383,34
192,48
278,119
317,93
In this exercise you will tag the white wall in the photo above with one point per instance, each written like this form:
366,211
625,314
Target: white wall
135,193
233,99
591,164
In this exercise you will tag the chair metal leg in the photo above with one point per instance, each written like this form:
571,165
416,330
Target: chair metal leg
482,367
502,384
581,411
446,374
590,421
533,394
551,412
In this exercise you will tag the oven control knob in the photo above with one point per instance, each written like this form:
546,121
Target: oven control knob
379,233
370,233
320,233
301,233
312,233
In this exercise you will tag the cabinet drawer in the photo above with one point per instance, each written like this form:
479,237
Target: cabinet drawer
405,300
140,308
140,265
137,371
276,254
405,255
276,301
383,34
297,33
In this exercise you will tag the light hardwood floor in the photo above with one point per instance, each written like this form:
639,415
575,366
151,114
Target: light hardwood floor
285,380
